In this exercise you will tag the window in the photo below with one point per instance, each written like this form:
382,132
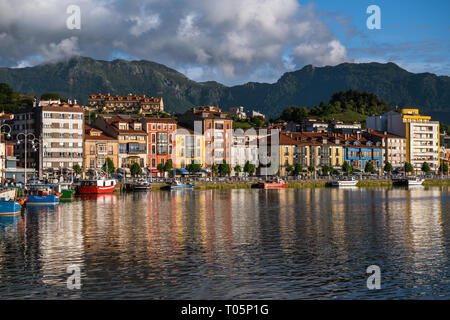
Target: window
170,149
153,138
153,163
153,149
46,115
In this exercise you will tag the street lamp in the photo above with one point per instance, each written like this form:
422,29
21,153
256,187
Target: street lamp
27,137
9,136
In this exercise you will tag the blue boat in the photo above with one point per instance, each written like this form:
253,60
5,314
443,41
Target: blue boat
9,208
178,185
44,195
8,205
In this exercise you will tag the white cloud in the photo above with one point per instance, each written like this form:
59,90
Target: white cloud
233,40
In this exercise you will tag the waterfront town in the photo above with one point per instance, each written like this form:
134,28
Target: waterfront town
55,139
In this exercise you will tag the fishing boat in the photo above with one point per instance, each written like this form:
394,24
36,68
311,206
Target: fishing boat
178,185
43,194
97,186
67,192
349,182
8,204
275,184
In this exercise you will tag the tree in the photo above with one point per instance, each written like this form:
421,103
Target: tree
249,168
443,168
214,169
52,96
237,169
369,168
289,169
108,166
326,169
168,166
298,169
346,167
161,167
77,168
388,168
408,167
258,121
224,168
135,169
426,167
193,168
311,169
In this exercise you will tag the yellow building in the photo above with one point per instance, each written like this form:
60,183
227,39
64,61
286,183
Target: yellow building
189,148
98,147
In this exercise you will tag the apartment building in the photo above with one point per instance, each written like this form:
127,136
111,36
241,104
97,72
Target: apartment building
394,147
130,103
161,140
422,135
244,148
216,126
57,131
189,148
98,147
131,136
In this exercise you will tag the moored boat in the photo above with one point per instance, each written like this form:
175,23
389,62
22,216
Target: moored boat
352,182
43,195
178,185
97,186
276,184
8,204
142,186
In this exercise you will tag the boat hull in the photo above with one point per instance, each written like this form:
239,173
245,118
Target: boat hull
268,185
142,188
49,200
344,183
182,186
95,189
9,208
66,195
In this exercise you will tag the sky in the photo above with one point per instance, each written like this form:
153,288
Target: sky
229,41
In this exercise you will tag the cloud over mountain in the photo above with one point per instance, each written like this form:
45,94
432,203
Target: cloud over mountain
230,41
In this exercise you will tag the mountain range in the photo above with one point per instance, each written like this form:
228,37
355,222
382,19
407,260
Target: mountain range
77,77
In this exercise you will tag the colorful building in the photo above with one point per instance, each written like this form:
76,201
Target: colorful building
189,148
217,128
422,135
161,141
97,147
131,137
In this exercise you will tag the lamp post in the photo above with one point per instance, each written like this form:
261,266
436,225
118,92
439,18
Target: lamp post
4,156
26,139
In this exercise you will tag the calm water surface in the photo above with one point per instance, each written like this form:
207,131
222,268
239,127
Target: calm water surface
232,244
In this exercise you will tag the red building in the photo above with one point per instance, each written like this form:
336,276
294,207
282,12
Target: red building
161,140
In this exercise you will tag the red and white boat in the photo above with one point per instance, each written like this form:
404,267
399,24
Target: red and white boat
277,184
97,186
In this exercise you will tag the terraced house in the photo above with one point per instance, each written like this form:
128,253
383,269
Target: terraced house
97,147
140,104
161,140
131,137
359,151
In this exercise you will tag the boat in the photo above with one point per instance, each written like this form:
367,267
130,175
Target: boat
43,194
67,192
178,185
8,204
408,181
415,181
97,186
352,182
142,186
276,184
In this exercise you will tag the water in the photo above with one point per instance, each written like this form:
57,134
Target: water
233,244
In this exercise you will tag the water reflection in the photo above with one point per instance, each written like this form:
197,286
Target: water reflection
232,244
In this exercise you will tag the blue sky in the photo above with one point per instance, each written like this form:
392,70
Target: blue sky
414,34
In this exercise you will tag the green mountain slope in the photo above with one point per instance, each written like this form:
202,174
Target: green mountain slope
78,77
